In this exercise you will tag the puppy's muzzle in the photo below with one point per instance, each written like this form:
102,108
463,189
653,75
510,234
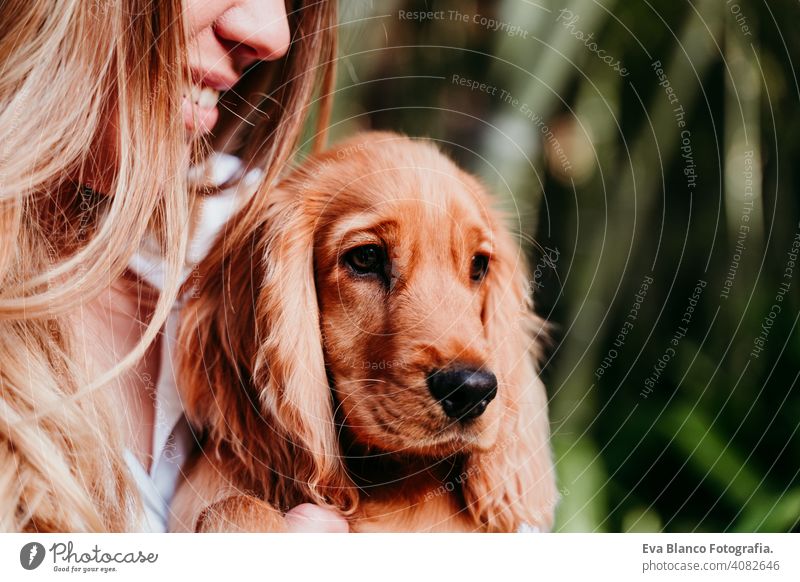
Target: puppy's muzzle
463,393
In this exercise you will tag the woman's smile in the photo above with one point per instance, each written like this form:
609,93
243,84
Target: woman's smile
199,109
200,102
226,37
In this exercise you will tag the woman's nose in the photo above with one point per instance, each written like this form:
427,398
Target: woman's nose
257,29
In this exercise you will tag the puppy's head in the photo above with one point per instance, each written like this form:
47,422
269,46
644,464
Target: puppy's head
394,305
405,248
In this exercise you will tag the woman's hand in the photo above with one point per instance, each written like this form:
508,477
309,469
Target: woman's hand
310,518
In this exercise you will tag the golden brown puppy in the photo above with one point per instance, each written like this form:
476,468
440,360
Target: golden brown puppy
369,346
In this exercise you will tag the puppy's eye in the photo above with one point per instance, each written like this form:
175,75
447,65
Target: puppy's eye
366,259
479,267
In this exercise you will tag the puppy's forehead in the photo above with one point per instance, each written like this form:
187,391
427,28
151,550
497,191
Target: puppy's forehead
419,203
382,179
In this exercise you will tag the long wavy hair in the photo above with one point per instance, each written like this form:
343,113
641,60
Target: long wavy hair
69,69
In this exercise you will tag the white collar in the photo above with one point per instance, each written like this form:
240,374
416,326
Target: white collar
215,210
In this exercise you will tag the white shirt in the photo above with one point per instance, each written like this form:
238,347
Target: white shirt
172,437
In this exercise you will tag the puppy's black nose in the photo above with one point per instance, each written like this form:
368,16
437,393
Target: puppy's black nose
464,393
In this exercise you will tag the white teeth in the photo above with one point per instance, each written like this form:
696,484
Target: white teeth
205,97
208,98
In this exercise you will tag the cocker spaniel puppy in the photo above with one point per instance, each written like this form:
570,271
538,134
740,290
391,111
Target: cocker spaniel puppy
370,346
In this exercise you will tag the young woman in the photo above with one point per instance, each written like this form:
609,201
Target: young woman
105,106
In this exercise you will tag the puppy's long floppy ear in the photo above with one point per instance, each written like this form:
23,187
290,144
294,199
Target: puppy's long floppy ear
253,362
289,368
513,483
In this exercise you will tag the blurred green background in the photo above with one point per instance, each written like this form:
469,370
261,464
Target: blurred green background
651,150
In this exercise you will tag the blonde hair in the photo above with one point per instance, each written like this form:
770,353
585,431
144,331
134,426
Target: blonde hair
68,69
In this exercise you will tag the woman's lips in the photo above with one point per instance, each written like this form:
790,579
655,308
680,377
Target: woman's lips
199,109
